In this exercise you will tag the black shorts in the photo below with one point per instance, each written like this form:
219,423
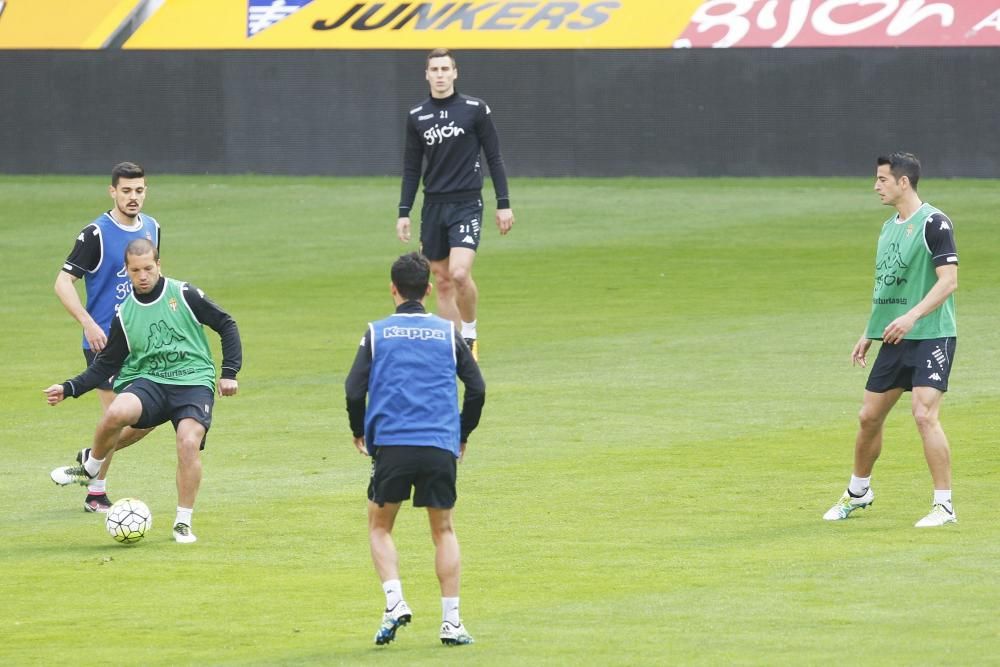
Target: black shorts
447,225
430,471
912,363
90,355
172,402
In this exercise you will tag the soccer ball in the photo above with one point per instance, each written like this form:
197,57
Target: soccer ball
128,520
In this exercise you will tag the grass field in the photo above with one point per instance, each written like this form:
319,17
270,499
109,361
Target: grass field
670,409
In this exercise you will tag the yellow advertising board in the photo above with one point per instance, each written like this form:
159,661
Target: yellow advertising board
394,24
61,24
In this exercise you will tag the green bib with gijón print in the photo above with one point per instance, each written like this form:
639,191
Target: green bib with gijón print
166,342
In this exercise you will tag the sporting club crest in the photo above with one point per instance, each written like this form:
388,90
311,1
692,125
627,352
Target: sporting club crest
262,14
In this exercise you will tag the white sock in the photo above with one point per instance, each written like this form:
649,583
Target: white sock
943,497
183,515
859,485
449,611
98,487
92,465
469,329
393,592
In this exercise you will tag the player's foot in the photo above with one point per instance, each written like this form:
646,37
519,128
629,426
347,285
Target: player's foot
939,516
455,635
848,504
73,474
97,502
392,620
473,344
183,534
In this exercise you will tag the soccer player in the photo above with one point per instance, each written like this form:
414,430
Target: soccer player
97,258
165,372
913,314
445,135
414,433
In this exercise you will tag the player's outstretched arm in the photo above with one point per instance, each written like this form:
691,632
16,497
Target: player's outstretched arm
54,394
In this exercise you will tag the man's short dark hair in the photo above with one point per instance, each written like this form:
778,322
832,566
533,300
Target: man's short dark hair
137,247
126,170
902,164
411,274
442,53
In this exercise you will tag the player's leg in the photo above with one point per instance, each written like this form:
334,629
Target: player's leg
460,262
932,368
926,408
435,489
875,407
190,409
126,409
447,557
129,435
464,226
444,289
435,246
97,498
888,378
190,435
106,396
385,558
390,484
97,495
448,567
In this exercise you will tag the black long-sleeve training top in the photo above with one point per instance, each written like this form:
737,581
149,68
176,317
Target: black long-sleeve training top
451,133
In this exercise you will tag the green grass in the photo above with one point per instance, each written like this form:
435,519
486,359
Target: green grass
670,409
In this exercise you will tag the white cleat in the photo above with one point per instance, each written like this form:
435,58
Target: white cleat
848,504
70,475
183,534
939,516
73,474
392,620
455,635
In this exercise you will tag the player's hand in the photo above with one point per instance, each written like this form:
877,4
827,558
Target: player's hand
898,328
95,336
859,351
228,387
359,443
505,220
403,229
54,394
461,451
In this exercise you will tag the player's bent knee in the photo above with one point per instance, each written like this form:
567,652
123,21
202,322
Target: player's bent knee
121,415
188,453
189,438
